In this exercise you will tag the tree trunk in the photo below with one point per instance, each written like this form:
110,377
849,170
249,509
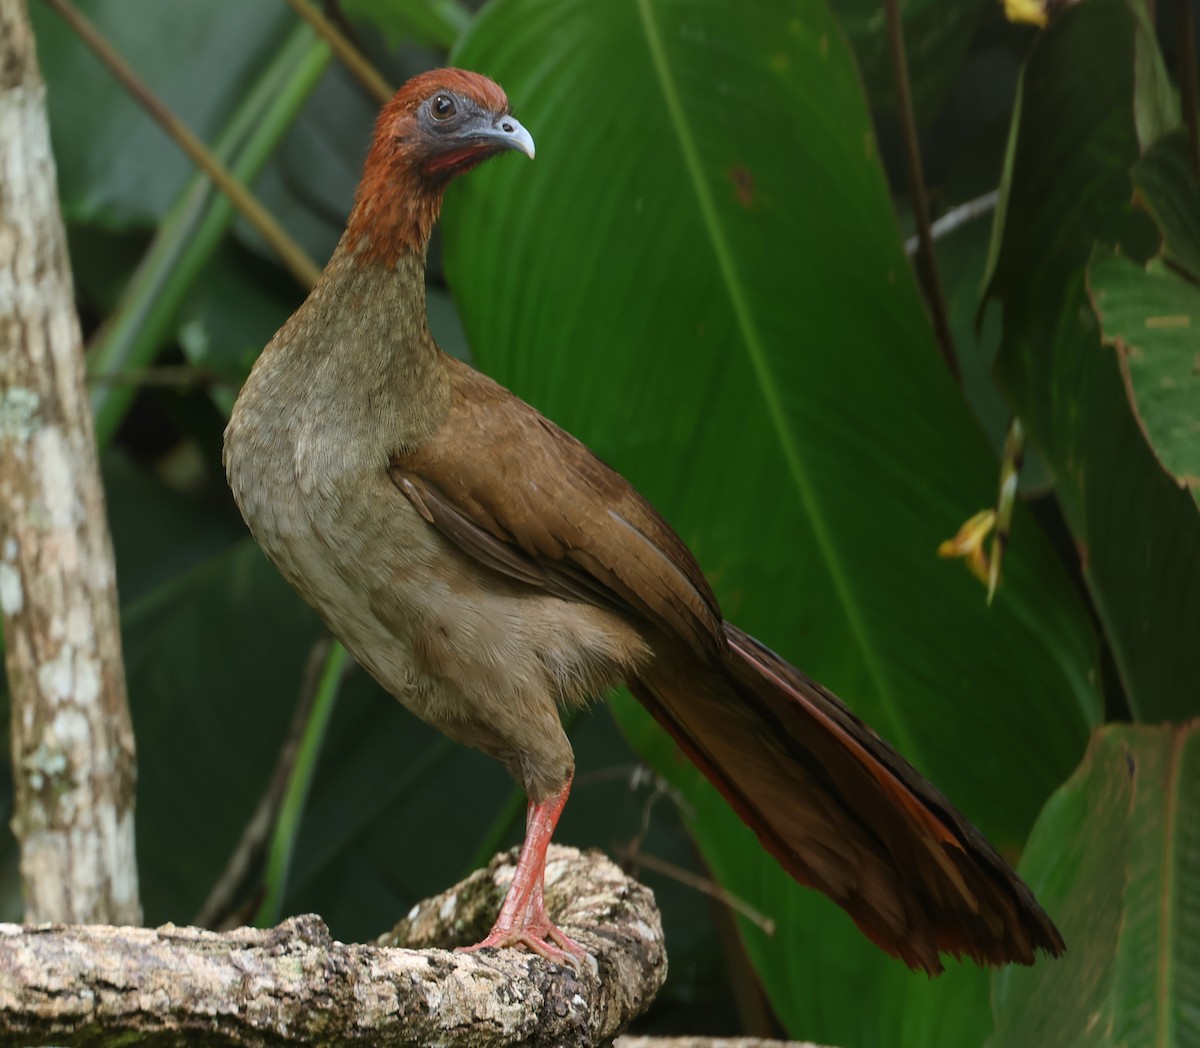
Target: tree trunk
72,739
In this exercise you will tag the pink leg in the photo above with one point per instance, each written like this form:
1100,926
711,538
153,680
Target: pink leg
523,920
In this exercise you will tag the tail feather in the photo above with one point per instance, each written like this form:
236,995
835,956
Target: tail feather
844,813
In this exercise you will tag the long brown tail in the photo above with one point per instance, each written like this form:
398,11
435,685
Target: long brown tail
844,813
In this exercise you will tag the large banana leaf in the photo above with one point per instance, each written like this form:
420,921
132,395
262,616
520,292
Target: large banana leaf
700,276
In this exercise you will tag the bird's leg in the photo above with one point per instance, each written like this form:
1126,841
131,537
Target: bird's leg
523,920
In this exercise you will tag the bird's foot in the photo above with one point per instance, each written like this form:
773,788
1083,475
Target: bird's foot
539,936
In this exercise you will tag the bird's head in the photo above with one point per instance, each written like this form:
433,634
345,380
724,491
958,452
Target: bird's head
438,125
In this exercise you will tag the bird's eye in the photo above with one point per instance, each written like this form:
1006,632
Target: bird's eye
443,107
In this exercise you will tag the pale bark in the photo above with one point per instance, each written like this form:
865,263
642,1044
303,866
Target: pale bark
72,740
293,985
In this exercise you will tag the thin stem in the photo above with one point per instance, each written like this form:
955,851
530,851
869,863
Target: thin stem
332,10
345,52
1006,499
700,884
283,840
926,263
1185,33
955,218
290,253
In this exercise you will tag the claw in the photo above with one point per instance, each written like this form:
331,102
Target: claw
545,940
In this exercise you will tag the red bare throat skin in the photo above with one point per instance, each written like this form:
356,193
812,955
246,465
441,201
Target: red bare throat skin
458,161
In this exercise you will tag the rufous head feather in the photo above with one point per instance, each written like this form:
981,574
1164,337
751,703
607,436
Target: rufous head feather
438,125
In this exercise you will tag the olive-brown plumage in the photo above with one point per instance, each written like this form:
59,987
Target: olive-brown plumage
486,568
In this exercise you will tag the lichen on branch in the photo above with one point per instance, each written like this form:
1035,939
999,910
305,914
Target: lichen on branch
294,984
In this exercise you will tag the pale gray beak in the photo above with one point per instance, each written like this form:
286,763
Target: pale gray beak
507,131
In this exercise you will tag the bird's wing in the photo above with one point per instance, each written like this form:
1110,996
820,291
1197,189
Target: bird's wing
838,808
525,498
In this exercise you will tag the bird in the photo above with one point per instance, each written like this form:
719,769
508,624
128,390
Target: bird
488,570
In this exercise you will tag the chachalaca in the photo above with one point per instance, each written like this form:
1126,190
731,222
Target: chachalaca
486,568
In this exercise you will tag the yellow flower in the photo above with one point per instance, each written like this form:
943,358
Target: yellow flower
968,543
1025,11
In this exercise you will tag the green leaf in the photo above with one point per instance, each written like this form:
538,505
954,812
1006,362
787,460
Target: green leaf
1067,184
700,276
1151,316
937,34
1116,857
437,22
1170,193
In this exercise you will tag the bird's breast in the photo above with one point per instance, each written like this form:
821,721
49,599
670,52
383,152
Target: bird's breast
454,641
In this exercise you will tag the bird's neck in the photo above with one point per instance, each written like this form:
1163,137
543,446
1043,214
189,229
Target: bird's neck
395,209
359,354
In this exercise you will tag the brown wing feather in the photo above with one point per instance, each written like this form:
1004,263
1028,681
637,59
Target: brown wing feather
528,509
